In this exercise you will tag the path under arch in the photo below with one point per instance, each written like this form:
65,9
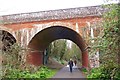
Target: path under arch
65,73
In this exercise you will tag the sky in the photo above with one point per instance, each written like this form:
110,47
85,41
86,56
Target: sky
8,7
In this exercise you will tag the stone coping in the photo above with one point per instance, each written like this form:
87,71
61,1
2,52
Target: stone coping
54,14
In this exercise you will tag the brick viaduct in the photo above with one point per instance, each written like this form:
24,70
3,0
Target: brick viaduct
37,30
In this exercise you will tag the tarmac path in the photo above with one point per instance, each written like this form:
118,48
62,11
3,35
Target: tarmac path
64,73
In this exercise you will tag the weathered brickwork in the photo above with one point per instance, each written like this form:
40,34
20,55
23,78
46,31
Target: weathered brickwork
28,28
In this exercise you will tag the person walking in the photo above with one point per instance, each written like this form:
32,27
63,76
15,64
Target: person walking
75,62
70,63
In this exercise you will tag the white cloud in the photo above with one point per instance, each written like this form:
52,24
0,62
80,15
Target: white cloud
23,6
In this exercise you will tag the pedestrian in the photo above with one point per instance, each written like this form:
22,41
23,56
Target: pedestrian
75,62
70,63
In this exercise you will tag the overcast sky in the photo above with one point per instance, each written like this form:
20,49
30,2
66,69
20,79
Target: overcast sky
22,6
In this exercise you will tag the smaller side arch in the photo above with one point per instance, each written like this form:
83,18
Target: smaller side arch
3,28
6,40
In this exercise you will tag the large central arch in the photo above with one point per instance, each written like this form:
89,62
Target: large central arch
42,39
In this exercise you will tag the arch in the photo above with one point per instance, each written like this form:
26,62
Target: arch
43,38
7,39
39,27
3,28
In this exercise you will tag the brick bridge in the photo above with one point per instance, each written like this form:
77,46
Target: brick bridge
37,30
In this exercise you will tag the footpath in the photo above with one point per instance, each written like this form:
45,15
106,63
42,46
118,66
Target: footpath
65,74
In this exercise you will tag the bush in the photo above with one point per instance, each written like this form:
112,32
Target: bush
104,73
43,72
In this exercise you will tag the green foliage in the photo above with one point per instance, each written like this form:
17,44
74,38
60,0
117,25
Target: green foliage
42,72
62,62
95,73
12,65
12,58
59,50
104,73
109,45
84,70
110,40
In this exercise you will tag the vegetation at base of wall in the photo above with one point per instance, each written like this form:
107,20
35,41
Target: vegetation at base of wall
13,65
63,62
104,73
109,46
42,72
84,70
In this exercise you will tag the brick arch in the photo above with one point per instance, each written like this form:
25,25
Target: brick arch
42,39
3,28
39,27
7,39
58,32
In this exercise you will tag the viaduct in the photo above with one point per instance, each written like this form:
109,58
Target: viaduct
37,30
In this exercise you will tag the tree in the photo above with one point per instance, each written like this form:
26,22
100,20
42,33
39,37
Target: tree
111,39
57,49
109,44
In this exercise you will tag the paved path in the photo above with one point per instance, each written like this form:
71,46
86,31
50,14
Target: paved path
65,73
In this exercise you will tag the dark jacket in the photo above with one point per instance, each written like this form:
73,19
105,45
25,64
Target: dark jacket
70,63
